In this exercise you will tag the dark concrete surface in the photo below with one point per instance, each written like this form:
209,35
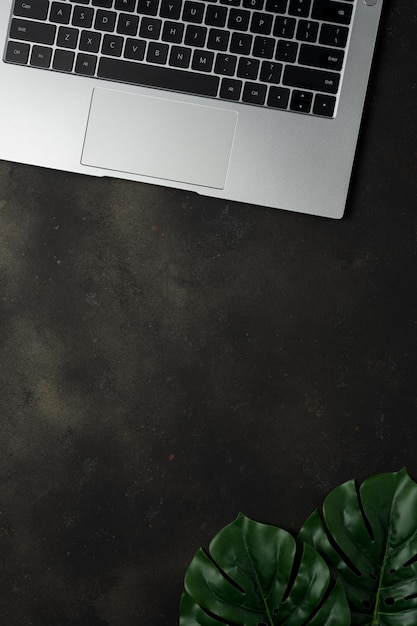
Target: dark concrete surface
169,360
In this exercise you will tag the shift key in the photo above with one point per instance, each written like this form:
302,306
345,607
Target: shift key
316,80
32,31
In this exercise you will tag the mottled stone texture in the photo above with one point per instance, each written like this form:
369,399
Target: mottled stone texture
169,360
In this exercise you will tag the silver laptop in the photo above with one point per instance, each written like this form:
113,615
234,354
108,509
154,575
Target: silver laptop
256,101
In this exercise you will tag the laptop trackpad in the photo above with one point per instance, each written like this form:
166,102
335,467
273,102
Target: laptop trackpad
161,138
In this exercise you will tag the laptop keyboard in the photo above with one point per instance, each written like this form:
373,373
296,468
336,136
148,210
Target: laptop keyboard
283,54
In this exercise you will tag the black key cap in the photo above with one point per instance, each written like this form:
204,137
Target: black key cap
271,72
155,76
278,97
180,57
305,78
301,8
171,9
276,6
324,105
67,37
284,27
216,16
301,101
286,51
135,49
127,24
63,60
105,20
331,11
318,56
195,36
230,89
83,16
125,5
202,61
37,32
307,31
253,93
150,28
241,43
86,64
36,9
60,13
173,32
90,41
334,35
104,4
193,12
41,56
263,47
225,64
157,52
248,68
253,4
17,52
238,19
231,3
261,23
148,7
218,39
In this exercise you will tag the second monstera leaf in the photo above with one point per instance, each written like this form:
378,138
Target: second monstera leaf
254,575
368,536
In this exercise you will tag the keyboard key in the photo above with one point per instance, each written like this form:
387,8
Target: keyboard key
316,80
127,24
254,93
301,101
324,105
63,60
216,16
230,89
67,37
271,72
258,5
278,97
248,68
202,61
261,23
263,47
218,39
17,52
125,5
300,8
37,32
157,52
104,4
112,45
225,64
105,20
156,76
148,7
318,56
35,10
334,35
150,28
173,32
90,41
241,43
171,9
86,64
307,31
83,17
331,11
284,27
238,20
135,49
60,13
41,56
195,36
276,6
286,51
180,57
193,12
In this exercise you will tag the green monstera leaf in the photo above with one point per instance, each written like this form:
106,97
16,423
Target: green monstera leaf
254,575
368,536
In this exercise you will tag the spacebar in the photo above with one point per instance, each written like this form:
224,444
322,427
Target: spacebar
154,76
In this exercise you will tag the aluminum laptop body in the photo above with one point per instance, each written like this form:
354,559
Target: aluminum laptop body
272,143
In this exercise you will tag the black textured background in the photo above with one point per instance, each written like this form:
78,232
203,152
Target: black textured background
169,360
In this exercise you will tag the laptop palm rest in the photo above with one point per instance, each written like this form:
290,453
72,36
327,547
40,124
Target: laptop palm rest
161,138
